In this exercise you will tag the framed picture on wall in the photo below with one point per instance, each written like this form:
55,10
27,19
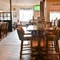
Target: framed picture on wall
14,14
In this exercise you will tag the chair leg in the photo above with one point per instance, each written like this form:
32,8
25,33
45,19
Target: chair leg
31,47
57,49
59,55
57,46
47,49
21,50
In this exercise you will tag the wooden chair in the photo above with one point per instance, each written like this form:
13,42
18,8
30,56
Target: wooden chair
3,28
23,38
50,32
52,47
6,29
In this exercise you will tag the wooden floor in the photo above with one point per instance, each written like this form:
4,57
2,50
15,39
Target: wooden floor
10,47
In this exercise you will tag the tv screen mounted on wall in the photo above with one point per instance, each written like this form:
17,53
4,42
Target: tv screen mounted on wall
36,8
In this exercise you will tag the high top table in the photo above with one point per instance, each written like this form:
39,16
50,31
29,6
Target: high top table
39,33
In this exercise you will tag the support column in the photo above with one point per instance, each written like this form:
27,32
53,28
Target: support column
41,9
11,14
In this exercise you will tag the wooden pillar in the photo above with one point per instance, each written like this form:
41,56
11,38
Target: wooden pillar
41,9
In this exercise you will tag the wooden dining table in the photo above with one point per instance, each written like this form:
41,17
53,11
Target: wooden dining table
39,32
36,32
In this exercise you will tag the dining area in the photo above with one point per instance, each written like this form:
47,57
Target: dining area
10,46
43,42
38,39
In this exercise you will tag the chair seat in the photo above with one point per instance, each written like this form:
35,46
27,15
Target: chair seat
48,33
27,32
50,37
27,35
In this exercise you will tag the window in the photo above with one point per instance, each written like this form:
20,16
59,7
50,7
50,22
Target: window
53,15
4,15
25,14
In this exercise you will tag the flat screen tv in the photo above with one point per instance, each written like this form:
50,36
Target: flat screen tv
36,8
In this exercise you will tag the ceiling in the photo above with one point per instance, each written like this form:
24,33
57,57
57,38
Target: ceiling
23,2
5,4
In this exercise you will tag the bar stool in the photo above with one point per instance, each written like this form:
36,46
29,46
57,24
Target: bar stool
6,29
23,38
52,47
3,28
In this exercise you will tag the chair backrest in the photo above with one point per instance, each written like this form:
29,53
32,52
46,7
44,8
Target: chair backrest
55,31
57,35
3,26
20,27
7,26
20,35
